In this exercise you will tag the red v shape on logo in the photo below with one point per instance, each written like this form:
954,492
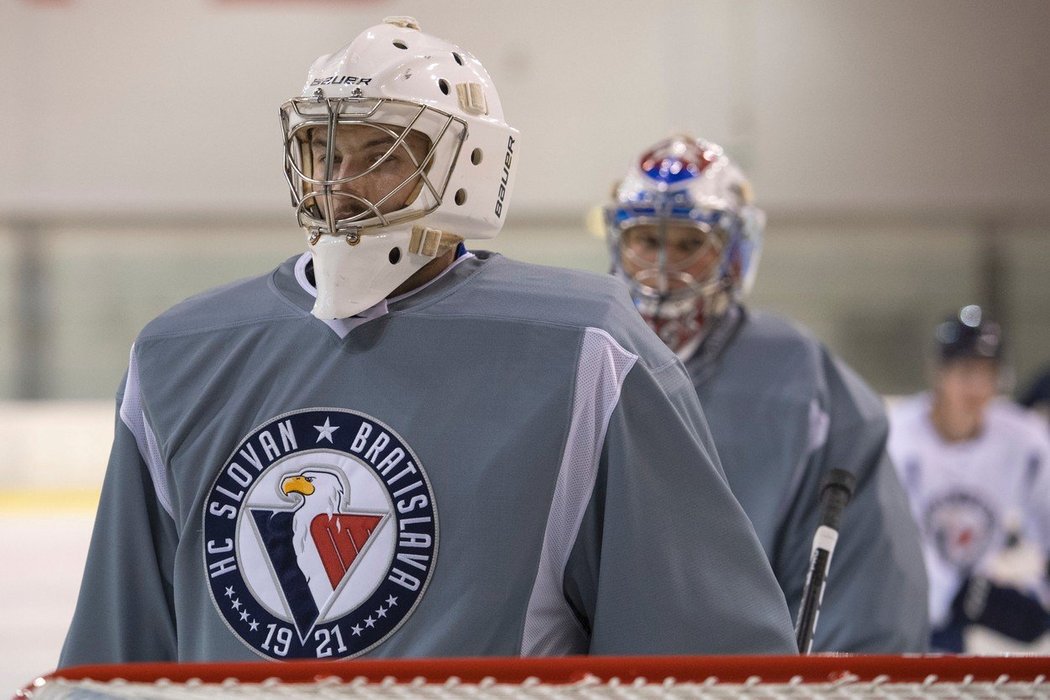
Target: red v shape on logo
339,538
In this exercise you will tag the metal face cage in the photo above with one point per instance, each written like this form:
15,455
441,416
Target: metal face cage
354,164
667,287
645,247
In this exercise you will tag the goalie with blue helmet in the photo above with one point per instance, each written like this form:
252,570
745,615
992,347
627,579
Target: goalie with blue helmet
393,446
685,235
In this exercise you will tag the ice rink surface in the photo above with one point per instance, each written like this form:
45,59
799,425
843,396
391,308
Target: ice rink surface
45,551
45,554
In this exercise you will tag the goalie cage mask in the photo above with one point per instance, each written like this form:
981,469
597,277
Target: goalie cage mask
680,185
391,166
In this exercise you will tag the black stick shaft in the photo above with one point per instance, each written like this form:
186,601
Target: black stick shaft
812,597
835,492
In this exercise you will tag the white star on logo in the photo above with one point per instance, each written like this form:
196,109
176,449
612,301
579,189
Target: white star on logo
357,630
370,622
229,592
253,626
236,604
324,432
391,601
381,612
244,615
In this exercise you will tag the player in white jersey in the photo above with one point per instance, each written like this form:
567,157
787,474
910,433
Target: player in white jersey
684,234
971,461
392,446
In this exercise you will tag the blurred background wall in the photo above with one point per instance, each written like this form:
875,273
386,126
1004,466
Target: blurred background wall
900,148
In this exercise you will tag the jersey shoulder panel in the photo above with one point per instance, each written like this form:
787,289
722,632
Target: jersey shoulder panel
851,403
506,289
1013,421
238,303
800,359
772,343
775,328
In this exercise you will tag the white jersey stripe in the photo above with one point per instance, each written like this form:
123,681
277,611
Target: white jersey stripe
134,418
550,626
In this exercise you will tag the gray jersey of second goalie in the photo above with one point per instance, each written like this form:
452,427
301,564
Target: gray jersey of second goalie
506,462
783,412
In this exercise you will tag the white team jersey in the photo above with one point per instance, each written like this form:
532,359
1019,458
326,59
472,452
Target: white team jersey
963,493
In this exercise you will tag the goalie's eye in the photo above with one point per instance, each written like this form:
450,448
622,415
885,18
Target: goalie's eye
336,160
392,159
643,240
687,246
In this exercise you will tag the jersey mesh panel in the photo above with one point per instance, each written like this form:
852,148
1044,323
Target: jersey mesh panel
550,626
134,418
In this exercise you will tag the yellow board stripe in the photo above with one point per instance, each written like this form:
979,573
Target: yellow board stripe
44,500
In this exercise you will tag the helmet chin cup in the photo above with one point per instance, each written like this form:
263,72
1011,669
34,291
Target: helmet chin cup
680,317
354,276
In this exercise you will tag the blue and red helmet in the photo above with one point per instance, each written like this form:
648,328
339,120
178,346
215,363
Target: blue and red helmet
685,182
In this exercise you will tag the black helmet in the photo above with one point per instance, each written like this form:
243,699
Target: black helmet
969,334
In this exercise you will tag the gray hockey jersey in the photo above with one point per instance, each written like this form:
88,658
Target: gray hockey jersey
783,411
505,462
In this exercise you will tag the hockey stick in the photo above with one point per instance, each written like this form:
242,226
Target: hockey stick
836,489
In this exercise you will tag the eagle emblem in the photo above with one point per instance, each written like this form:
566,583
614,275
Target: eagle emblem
320,535
313,547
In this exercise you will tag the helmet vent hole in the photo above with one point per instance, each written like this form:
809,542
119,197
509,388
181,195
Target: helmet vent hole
443,85
459,59
394,256
461,197
400,44
475,156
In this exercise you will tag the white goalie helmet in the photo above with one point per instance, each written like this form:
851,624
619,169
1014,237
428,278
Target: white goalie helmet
685,235
396,149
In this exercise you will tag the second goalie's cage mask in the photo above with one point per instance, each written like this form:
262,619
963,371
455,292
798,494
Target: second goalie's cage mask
406,151
685,236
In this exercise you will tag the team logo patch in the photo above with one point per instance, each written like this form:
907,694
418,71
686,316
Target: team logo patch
320,535
961,526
